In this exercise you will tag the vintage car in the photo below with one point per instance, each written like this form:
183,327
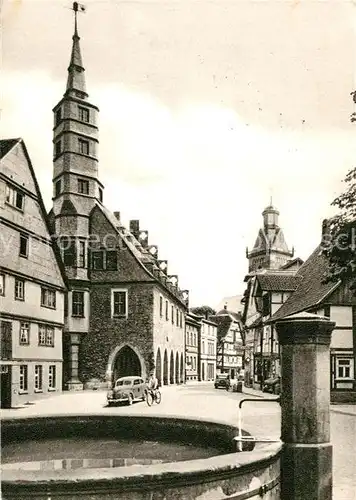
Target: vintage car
222,380
127,389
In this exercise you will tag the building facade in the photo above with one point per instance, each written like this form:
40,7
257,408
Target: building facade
124,312
32,287
230,342
270,281
337,301
266,293
192,347
208,343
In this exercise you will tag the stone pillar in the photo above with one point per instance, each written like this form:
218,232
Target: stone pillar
74,384
306,463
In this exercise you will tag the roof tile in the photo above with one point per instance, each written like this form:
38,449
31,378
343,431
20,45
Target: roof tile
311,290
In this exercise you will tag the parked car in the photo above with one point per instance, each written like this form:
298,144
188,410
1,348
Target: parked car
127,389
272,385
222,380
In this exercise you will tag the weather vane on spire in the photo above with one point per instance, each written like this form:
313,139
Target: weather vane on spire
77,7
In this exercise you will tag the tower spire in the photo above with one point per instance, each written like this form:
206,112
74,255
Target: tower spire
76,80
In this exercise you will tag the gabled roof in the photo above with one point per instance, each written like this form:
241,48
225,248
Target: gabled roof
311,290
143,257
278,282
193,319
224,319
223,323
6,145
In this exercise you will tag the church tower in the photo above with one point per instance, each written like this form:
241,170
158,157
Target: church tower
76,187
76,191
270,250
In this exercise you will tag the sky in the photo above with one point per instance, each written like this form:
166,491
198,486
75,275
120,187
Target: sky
207,108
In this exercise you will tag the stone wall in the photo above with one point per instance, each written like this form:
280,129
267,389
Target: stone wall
107,333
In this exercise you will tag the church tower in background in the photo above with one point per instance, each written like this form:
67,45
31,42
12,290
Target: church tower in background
270,250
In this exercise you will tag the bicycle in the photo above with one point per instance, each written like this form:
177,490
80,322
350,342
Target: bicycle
153,396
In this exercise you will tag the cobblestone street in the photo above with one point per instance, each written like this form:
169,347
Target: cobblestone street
260,418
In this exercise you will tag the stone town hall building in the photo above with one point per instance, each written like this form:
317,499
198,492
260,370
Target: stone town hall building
124,315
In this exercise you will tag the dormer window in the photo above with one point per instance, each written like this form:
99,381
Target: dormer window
83,146
83,114
83,186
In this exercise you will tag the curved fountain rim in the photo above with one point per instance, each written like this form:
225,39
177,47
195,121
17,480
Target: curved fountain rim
224,464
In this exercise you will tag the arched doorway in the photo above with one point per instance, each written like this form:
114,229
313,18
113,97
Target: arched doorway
159,366
126,363
171,369
182,379
165,368
177,368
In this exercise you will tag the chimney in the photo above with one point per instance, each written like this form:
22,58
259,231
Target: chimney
117,215
135,227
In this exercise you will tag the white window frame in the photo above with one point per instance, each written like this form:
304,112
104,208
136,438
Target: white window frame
19,296
52,376
79,303
46,335
340,363
48,298
49,336
38,378
41,335
23,379
24,333
11,197
122,290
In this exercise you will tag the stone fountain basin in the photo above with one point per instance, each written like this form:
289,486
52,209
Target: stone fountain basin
183,479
